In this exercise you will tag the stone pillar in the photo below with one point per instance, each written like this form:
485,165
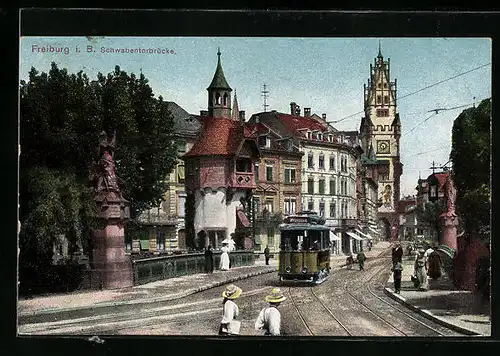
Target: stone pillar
111,267
449,231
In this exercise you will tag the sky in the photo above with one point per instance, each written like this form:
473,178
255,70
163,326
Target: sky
325,74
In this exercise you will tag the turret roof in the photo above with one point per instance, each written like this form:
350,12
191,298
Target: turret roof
219,81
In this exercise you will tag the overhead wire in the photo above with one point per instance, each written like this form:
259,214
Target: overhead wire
418,91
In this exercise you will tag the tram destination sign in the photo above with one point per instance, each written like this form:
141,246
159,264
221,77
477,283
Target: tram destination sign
308,219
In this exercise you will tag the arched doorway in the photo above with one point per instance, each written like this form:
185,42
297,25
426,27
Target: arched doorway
385,228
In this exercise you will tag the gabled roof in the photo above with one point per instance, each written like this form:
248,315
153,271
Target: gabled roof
183,122
441,177
220,136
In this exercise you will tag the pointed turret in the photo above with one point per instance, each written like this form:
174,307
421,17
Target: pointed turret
219,93
371,153
219,81
379,50
235,114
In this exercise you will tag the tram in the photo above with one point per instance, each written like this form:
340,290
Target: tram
304,248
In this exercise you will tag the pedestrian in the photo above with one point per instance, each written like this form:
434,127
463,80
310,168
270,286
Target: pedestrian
361,260
420,270
230,311
224,257
209,260
269,318
434,265
349,261
266,255
398,273
397,254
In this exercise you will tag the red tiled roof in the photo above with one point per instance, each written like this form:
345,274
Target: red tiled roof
220,136
296,123
441,177
258,127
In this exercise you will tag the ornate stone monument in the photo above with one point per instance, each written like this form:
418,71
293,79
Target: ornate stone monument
449,219
111,267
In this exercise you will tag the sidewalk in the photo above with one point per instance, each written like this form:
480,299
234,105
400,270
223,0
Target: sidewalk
460,310
164,290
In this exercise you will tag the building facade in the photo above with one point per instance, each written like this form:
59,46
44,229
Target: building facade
164,226
220,172
381,128
329,166
278,191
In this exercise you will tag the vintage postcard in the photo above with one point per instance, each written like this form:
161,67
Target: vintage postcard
283,186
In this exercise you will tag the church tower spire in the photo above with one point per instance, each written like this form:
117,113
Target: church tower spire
235,113
219,93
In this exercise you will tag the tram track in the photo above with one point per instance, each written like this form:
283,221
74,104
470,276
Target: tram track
325,307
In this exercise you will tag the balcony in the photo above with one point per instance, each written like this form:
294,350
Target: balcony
243,180
157,218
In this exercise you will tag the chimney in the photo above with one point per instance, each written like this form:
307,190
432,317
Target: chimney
323,116
257,119
293,108
203,112
297,110
307,112
242,115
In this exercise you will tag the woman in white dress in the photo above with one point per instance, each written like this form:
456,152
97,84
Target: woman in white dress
224,257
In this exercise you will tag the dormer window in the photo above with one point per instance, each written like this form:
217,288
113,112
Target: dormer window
268,142
330,138
308,135
243,164
320,137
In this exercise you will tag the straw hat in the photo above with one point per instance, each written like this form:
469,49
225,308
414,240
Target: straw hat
275,297
231,292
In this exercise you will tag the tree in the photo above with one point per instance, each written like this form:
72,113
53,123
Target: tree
470,156
430,214
61,116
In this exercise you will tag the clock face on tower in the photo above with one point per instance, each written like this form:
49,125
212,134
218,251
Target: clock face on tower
383,146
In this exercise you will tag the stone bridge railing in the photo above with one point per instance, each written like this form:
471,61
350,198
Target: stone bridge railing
152,269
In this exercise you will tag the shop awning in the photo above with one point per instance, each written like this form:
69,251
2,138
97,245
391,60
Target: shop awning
243,218
363,234
355,236
334,237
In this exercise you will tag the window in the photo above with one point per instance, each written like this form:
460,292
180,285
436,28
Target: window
383,177
225,99
269,204
160,240
289,175
333,207
379,85
385,85
308,135
290,206
217,98
180,173
181,147
310,205
322,208
379,99
332,163
320,137
382,112
322,186
243,165
310,186
256,172
333,183
269,173
181,205
270,236
330,138
310,163
321,162
343,164
386,99
256,204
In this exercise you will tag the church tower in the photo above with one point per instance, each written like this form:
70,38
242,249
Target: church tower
381,130
219,93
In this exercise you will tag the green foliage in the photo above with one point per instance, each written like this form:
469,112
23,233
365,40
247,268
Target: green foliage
470,155
61,116
430,214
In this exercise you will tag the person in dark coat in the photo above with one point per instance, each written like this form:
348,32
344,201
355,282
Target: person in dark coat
209,260
266,254
434,265
361,260
397,254
398,273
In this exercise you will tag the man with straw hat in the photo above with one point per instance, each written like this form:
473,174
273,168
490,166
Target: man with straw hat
230,311
269,318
